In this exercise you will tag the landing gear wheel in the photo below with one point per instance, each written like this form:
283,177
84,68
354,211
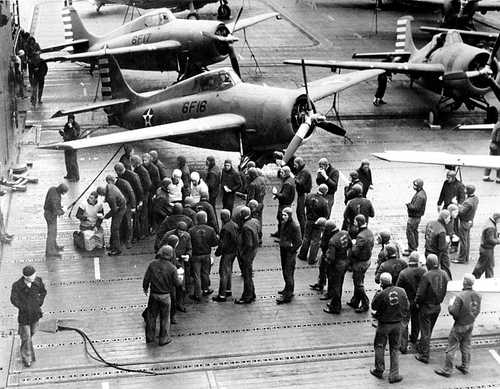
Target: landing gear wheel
193,16
223,12
491,115
434,117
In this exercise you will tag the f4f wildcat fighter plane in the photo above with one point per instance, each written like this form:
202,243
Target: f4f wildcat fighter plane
223,12
459,73
156,41
215,110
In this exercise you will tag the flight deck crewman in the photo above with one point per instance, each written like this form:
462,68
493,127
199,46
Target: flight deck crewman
52,210
328,175
437,240
71,131
494,147
147,187
466,212
285,196
452,189
231,183
303,185
118,206
416,209
489,239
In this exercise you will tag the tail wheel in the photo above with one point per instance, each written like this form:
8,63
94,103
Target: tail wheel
491,115
223,12
434,117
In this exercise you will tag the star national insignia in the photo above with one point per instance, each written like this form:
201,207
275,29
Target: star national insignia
148,117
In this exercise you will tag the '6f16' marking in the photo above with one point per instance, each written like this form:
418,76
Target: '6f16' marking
141,39
194,106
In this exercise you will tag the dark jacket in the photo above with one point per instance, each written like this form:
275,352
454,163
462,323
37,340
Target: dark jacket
257,190
135,182
286,193
362,249
125,160
393,266
467,210
290,238
115,200
231,179
190,213
466,307
303,181
450,190
249,238
161,277
52,203
28,300
203,238
489,235
416,207
409,279
356,206
391,305
325,239
316,207
211,216
435,237
228,241
331,181
146,183
70,132
366,180
349,193
212,179
170,223
154,174
338,248
432,288
184,246
162,169
127,191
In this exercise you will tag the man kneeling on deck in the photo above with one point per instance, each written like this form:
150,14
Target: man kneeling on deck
91,235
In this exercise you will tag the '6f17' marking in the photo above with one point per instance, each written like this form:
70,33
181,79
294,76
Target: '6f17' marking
194,106
141,39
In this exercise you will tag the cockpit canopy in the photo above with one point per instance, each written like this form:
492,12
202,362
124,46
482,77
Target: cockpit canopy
154,18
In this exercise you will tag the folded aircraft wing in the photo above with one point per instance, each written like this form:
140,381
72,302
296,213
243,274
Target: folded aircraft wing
477,34
393,67
440,158
138,49
327,86
90,107
61,46
170,131
484,127
244,23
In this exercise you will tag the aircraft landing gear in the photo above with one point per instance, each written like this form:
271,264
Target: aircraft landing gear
223,12
491,115
99,6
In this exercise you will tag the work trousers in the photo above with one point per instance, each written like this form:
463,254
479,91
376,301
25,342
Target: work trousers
391,332
247,259
460,337
51,244
330,198
71,162
464,241
415,328
228,201
225,273
336,275
158,304
126,226
310,242
143,226
301,211
288,269
201,273
381,85
485,263
116,221
322,271
358,278
37,90
26,332
427,319
412,232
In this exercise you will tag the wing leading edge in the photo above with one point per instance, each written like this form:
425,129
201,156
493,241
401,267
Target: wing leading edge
440,158
170,131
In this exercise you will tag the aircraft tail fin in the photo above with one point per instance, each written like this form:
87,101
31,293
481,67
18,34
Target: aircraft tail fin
113,85
74,28
404,35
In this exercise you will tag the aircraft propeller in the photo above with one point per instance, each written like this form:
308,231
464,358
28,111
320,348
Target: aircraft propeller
232,54
312,119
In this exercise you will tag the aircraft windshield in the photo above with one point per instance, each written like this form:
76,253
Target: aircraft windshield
216,81
157,19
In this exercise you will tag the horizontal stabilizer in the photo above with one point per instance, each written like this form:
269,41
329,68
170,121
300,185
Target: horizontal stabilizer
484,127
324,87
172,131
440,158
393,67
149,47
61,46
477,34
384,54
244,23
90,107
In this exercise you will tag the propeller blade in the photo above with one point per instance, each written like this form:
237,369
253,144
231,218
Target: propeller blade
331,128
296,141
304,76
234,61
494,51
237,19
468,74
